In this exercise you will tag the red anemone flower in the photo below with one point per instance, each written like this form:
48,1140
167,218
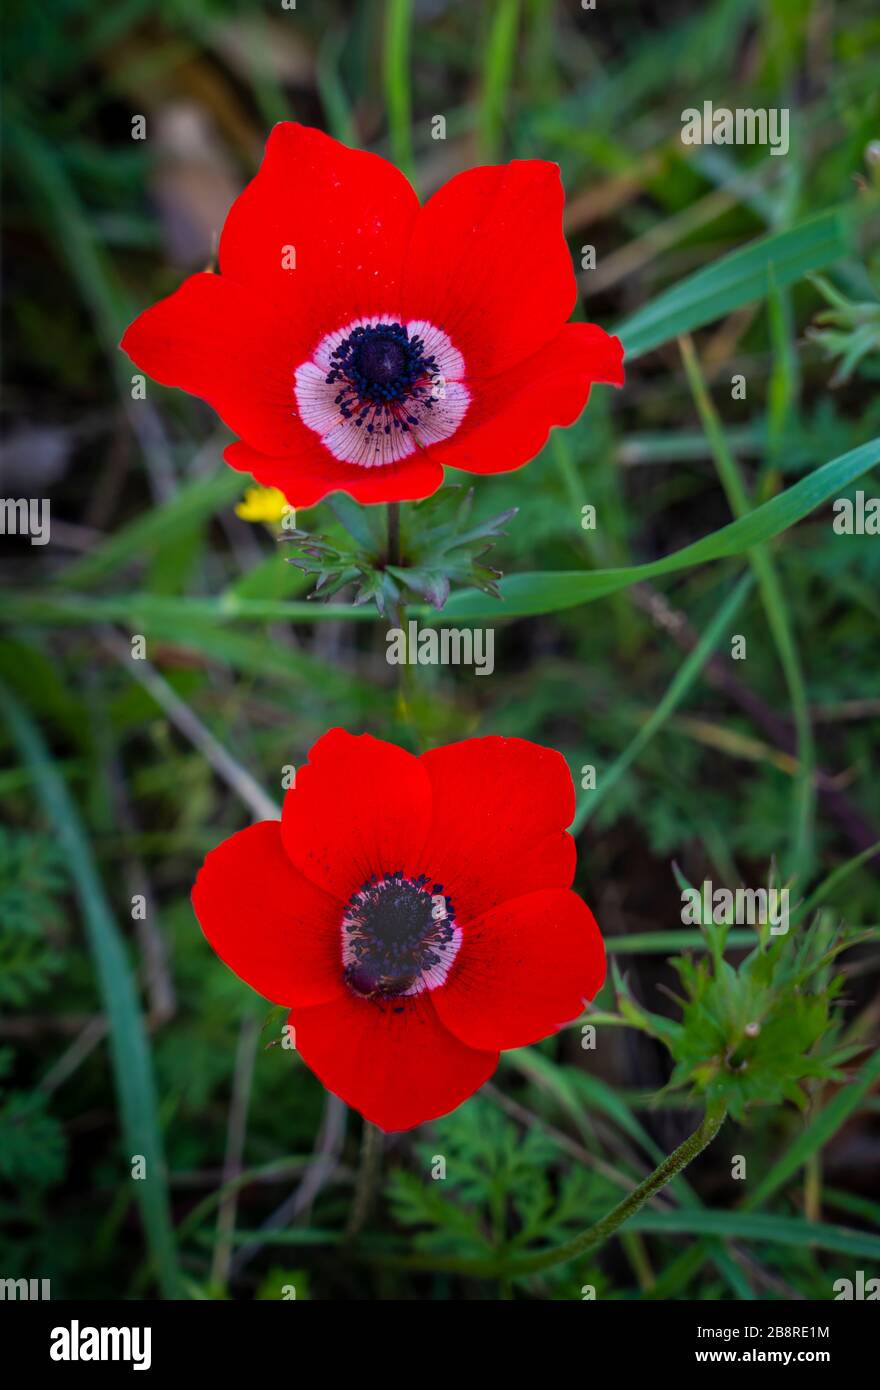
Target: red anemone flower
357,341
414,914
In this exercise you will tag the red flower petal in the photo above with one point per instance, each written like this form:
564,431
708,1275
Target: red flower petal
394,1062
512,415
360,807
348,215
219,341
275,929
489,264
311,472
324,235
524,969
501,806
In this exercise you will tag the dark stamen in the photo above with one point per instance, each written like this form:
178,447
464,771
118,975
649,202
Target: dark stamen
380,366
395,930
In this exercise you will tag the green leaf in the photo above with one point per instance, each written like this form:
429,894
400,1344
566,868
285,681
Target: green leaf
829,885
128,1040
550,591
397,81
361,523
33,879
738,1225
273,579
684,678
818,1133
776,609
743,276
155,528
555,1080
498,68
661,943
521,594
32,1143
141,610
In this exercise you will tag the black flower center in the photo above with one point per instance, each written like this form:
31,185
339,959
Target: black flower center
383,374
398,936
380,361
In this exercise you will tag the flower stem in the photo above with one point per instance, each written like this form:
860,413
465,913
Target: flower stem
367,1179
597,1234
397,616
593,1236
393,533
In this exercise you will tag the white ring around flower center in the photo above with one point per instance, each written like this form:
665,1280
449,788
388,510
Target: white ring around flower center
431,413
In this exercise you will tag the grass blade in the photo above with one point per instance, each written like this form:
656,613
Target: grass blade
398,92
684,679
194,501
549,591
777,1230
778,619
819,1132
497,72
128,1040
737,279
